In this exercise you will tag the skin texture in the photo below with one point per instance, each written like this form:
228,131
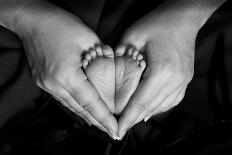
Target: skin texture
100,70
114,76
54,42
167,37
129,66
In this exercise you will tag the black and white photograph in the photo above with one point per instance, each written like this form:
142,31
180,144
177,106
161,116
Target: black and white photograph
115,77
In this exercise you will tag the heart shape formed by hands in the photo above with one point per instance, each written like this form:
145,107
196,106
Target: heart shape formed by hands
54,54
114,75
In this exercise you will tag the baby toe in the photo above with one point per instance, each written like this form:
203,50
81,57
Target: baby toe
93,53
130,50
134,54
98,50
142,64
85,63
88,57
107,51
120,51
139,57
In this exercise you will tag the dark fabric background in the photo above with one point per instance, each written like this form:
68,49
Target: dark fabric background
31,122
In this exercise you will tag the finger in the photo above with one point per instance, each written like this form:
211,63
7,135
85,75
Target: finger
164,109
80,112
120,50
150,90
97,124
86,95
77,109
176,102
139,101
66,99
166,103
54,95
64,103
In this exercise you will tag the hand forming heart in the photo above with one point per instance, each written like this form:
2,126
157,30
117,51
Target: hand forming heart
112,82
169,51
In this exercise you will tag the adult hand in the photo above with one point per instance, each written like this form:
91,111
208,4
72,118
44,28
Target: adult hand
167,37
54,41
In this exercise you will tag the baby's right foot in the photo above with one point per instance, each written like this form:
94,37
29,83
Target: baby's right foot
129,66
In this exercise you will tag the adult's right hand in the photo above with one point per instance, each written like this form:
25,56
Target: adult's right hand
54,41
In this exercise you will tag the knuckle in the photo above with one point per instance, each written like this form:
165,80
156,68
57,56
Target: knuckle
88,107
102,120
80,112
152,110
56,75
129,124
60,77
141,105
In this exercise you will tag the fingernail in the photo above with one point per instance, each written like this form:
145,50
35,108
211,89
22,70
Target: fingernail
112,135
121,136
146,119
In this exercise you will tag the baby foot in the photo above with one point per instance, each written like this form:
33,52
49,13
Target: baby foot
129,68
100,70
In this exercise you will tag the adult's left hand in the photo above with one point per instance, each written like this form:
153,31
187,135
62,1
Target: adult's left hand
167,37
